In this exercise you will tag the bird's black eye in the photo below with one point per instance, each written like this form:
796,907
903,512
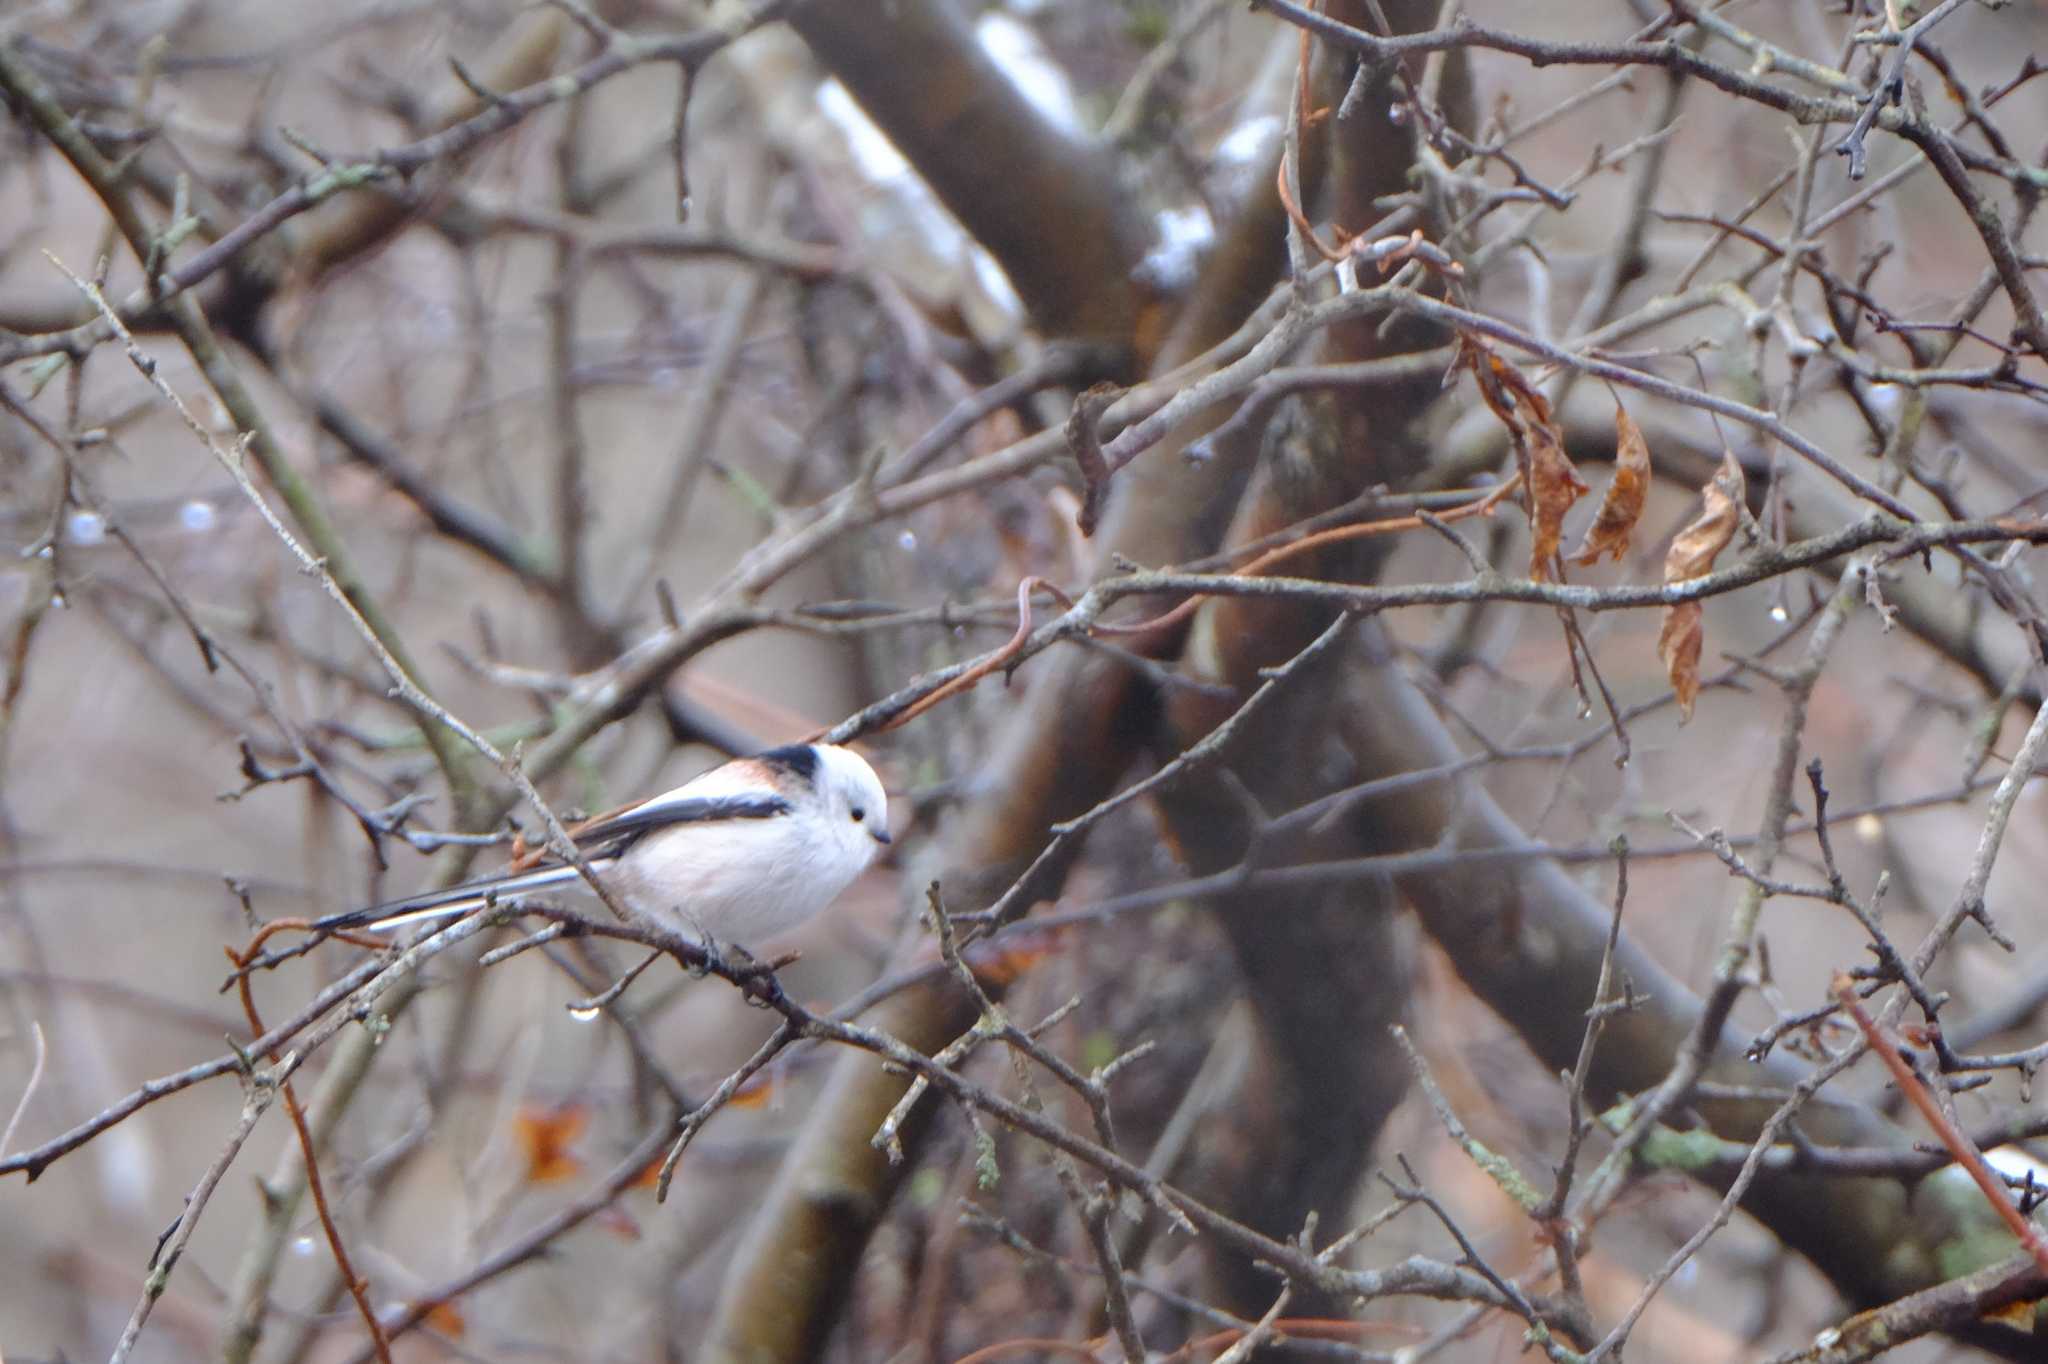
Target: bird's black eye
859,814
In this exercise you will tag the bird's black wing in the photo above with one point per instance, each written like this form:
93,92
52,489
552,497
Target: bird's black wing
610,837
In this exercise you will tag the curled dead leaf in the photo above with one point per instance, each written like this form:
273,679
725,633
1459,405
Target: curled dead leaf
545,1136
1695,548
1692,555
1547,472
1553,486
1621,506
446,1318
1511,396
1678,646
998,970
755,1093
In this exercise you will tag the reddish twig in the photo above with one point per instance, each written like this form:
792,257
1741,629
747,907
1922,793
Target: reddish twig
1027,1345
991,661
1482,506
1958,1143
358,1287
1305,117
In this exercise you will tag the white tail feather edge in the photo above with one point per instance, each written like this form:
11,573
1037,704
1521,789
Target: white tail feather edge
471,897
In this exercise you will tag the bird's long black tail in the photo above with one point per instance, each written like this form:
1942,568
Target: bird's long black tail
441,904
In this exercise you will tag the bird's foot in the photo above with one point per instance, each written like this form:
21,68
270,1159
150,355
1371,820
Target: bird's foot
730,960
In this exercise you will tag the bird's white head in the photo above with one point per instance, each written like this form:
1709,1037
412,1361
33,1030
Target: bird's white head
851,798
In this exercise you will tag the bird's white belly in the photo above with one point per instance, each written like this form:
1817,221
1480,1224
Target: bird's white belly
744,883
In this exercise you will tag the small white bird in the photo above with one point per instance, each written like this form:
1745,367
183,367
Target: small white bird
737,855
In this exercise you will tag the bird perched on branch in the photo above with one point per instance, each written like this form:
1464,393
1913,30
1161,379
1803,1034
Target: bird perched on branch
743,852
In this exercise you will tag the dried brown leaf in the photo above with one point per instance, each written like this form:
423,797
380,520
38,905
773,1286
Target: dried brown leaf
1547,471
545,1135
1504,387
446,1318
1678,646
1692,555
1553,486
1696,547
755,1093
1621,506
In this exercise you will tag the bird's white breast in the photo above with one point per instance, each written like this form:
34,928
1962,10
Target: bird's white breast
737,881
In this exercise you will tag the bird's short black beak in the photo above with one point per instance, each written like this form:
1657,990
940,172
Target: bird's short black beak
880,836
